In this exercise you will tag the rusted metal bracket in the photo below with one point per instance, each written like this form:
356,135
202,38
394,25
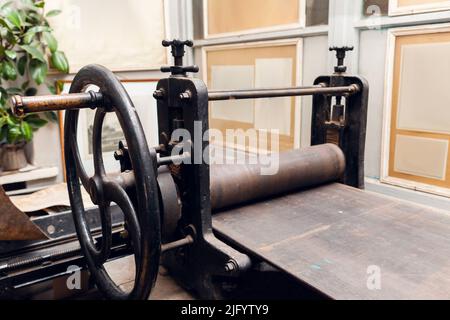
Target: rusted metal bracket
14,224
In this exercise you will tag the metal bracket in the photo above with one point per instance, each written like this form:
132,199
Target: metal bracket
178,53
341,52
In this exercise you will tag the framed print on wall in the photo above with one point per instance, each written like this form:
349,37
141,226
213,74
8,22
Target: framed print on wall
234,17
256,65
403,7
141,93
416,142
126,36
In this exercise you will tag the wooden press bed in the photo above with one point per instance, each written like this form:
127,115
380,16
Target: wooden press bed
330,237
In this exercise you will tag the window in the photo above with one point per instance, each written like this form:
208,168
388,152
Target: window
419,135
261,65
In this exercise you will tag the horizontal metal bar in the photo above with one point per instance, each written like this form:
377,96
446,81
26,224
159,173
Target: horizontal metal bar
177,244
163,161
25,105
282,92
322,85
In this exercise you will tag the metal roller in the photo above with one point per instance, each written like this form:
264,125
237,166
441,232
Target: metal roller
236,184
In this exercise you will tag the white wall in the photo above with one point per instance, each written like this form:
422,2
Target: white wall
371,66
315,64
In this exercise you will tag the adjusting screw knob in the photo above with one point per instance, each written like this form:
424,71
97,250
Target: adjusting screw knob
158,94
118,154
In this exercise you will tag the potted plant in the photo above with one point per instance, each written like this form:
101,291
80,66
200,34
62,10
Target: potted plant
27,51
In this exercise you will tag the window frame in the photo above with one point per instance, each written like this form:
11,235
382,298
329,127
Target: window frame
396,10
298,42
385,178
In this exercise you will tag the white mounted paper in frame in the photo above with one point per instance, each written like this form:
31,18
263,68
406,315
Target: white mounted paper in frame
421,73
273,113
121,35
421,156
232,77
403,7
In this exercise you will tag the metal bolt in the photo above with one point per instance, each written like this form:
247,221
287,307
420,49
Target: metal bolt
124,234
187,95
17,105
230,266
118,154
159,94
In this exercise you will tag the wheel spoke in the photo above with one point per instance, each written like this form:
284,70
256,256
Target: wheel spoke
115,193
97,142
76,153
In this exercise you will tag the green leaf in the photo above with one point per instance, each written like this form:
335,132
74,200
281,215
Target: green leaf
60,86
31,92
8,70
15,18
11,54
51,41
11,38
13,134
40,4
5,24
22,64
51,88
36,123
2,123
38,29
53,13
31,33
12,121
25,85
14,91
59,61
3,133
38,70
34,52
3,94
26,131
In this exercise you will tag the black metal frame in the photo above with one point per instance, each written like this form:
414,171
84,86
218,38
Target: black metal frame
349,134
182,101
186,103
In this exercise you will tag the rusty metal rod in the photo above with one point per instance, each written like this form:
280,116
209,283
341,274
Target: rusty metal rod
177,244
320,85
25,105
283,92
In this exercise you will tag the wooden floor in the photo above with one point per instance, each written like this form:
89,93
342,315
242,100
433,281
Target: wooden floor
122,272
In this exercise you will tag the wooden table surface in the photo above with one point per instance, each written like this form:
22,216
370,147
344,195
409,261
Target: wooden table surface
348,243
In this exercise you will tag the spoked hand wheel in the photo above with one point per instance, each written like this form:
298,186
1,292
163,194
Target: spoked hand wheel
142,215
